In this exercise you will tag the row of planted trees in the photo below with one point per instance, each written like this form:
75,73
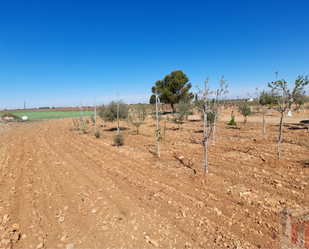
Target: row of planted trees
280,98
133,115
210,104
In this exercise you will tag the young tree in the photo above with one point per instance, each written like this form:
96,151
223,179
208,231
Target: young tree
137,117
245,110
102,111
260,108
173,88
300,99
207,130
158,130
182,113
288,98
114,107
216,105
220,96
268,98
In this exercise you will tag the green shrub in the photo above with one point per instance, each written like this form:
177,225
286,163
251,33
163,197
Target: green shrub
182,113
110,112
245,110
210,117
119,139
137,117
97,134
232,121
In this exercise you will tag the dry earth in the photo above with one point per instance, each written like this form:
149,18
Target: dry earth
61,188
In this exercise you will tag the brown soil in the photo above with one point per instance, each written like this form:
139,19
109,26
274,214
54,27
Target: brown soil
59,186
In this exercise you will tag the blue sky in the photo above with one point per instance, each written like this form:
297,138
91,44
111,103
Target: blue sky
56,53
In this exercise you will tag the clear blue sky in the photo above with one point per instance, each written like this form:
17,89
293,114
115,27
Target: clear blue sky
56,53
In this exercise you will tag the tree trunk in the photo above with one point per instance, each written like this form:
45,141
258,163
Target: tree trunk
280,134
205,137
264,126
205,128
117,114
213,132
205,158
158,135
172,106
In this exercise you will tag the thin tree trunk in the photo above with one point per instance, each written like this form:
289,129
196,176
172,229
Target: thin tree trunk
87,112
157,126
280,135
81,115
95,117
264,126
117,114
205,129
205,159
213,132
164,129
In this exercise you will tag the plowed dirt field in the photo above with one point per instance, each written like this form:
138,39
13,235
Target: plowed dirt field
59,187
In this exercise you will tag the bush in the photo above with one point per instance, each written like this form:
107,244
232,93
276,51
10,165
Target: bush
110,112
183,111
232,121
119,139
269,98
245,110
97,134
210,117
137,117
92,119
160,116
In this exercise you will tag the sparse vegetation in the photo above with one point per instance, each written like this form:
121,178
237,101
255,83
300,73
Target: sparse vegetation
183,110
245,110
119,139
137,117
97,134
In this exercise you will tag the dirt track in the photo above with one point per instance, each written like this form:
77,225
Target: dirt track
63,187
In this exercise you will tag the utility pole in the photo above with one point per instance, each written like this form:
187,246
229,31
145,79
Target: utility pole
25,107
276,74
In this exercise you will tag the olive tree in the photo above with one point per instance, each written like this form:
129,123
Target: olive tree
102,111
288,98
245,110
137,117
206,129
114,108
215,105
183,110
